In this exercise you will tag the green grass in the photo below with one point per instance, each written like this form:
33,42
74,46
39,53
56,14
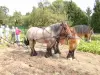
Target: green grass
93,47
96,37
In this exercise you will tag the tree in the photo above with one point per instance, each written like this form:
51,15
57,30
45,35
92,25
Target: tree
3,14
46,3
17,18
75,14
58,6
4,9
40,5
45,17
88,12
95,22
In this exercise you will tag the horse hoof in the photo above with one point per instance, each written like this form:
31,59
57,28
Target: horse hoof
33,54
70,59
57,55
73,57
47,55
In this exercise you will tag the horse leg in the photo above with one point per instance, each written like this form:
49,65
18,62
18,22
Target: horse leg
49,48
56,48
32,44
73,43
48,53
71,54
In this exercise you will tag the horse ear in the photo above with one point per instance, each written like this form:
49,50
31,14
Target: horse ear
72,30
62,23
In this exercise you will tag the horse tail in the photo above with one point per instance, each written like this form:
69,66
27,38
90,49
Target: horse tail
26,41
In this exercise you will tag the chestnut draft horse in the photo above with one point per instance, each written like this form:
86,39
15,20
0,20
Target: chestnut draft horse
77,32
84,31
48,35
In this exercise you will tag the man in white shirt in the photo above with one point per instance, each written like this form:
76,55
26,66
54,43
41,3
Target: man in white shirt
7,30
1,34
13,34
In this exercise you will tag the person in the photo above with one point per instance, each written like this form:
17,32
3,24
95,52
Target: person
7,30
1,34
13,34
17,34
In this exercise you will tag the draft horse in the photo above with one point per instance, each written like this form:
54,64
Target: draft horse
77,32
49,35
84,31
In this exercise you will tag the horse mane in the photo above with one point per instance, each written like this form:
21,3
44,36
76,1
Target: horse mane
55,27
73,31
82,29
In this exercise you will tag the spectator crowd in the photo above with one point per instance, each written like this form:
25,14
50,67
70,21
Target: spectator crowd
9,34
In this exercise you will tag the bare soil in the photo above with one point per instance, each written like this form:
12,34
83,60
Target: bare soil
17,61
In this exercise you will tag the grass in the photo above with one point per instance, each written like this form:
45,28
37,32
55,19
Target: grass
96,37
92,47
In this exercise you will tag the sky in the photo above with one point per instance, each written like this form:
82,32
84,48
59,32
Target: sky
25,6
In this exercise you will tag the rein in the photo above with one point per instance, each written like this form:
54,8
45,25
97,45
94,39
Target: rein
57,37
64,35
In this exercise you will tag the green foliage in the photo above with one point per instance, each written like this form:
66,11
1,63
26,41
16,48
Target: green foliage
96,37
47,14
3,14
43,17
58,6
88,12
16,19
96,17
75,14
4,9
26,20
93,47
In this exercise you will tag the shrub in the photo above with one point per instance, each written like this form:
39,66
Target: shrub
93,47
96,37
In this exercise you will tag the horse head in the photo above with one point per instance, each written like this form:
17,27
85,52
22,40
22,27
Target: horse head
90,33
66,30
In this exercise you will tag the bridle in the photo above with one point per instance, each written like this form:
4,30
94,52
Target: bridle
65,33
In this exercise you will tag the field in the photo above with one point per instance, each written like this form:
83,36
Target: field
16,60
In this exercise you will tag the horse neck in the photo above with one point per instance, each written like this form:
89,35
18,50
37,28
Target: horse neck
74,33
56,29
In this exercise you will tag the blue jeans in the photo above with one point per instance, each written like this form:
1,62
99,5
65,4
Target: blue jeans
17,39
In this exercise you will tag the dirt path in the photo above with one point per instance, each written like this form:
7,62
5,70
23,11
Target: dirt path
17,61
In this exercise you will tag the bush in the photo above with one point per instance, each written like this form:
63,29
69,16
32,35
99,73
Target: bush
93,47
96,37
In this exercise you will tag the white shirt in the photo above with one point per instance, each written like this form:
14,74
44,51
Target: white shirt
1,32
7,31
